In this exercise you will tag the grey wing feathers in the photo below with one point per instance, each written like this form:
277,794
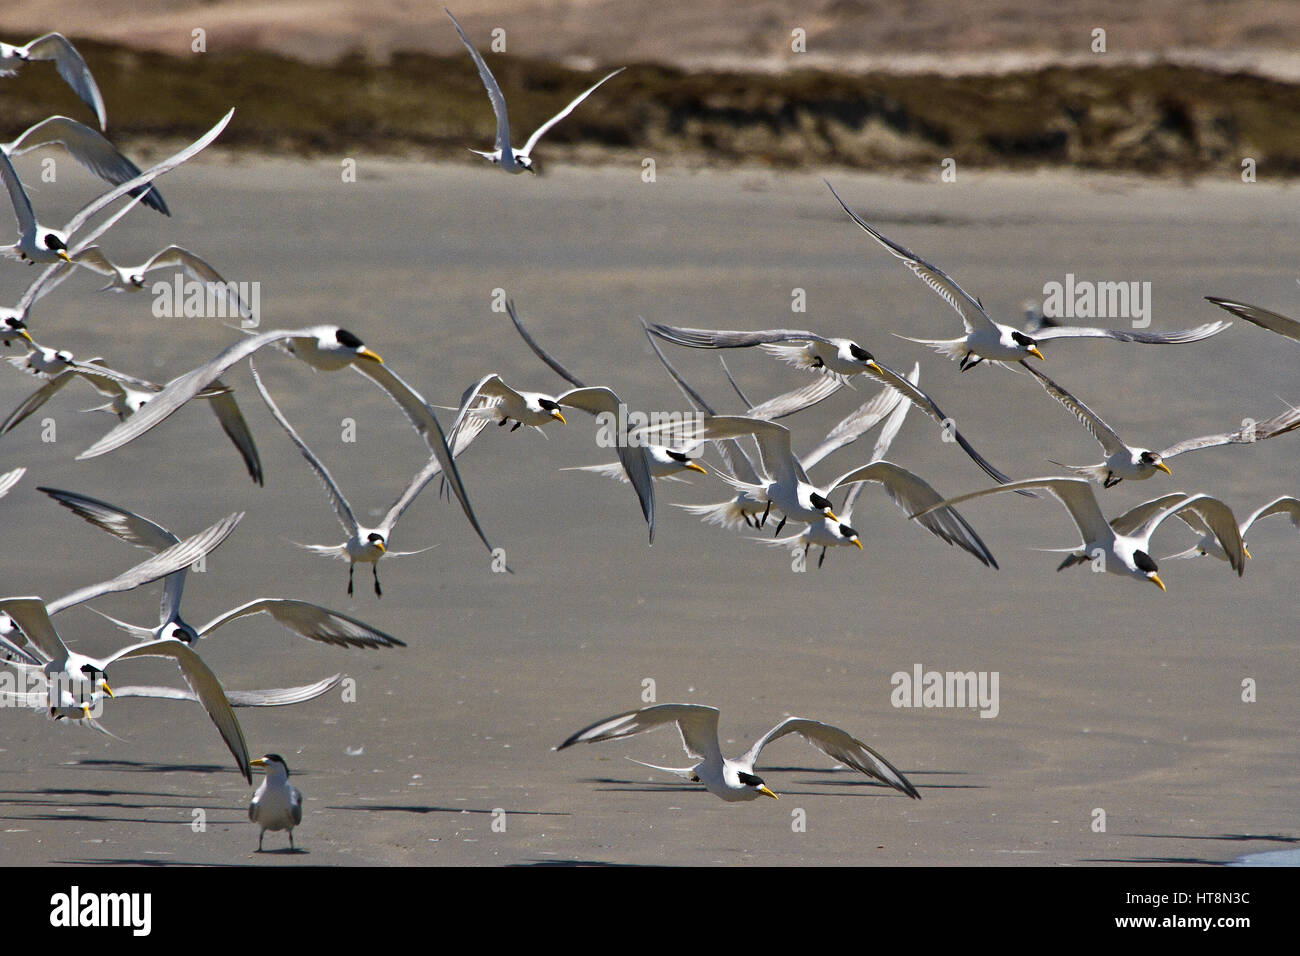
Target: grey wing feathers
726,339
838,745
1264,318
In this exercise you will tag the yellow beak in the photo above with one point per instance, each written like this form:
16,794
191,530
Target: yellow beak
857,544
831,514
762,788
1161,466
1245,550
27,335
1155,579
380,546
1033,350
366,353
691,466
259,762
62,254
555,413
107,690
875,368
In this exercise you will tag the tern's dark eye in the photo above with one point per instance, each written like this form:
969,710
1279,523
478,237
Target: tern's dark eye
347,339
1144,563
1021,339
859,353
749,780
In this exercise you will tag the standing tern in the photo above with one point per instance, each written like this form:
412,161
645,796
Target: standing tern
90,149
303,618
39,243
514,161
989,341
1123,461
364,544
67,61
1123,545
734,780
1209,541
277,804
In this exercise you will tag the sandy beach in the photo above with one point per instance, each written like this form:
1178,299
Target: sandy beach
1113,695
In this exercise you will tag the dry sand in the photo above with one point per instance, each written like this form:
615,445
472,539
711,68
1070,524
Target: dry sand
1112,695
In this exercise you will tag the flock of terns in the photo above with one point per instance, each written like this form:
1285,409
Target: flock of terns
764,477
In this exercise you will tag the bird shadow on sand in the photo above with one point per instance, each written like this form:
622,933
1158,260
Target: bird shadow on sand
89,805
1194,860
149,861
577,862
418,808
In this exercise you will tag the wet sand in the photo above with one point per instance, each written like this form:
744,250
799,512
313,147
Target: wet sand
1112,694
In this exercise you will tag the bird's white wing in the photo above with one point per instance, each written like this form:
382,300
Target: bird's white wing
271,697
598,400
342,510
10,478
1247,434
894,423
1075,493
727,339
148,176
1285,505
1179,337
310,621
490,84
1219,518
432,468
855,424
796,400
838,745
541,130
913,494
183,388
73,69
419,413
175,558
119,522
697,724
206,688
36,399
33,619
22,206
775,458
1110,442
1265,319
226,409
91,149
972,313
1132,520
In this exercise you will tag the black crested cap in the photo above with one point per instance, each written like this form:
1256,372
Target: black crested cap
859,353
846,531
749,779
1022,339
819,501
679,456
348,340
1144,562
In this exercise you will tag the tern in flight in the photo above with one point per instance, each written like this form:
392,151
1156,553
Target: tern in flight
1273,321
40,243
514,161
1123,544
1124,461
67,61
1209,541
734,780
989,341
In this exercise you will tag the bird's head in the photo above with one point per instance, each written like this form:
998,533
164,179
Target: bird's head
822,504
377,540
54,242
1143,562
751,782
859,354
1155,461
271,763
684,460
13,326
547,405
180,631
1028,344
347,340
851,536
526,163
97,679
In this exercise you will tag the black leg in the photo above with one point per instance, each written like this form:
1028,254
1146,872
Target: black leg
748,522
260,836
350,580
780,526
374,568
502,422
291,846
766,512
516,427
821,559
